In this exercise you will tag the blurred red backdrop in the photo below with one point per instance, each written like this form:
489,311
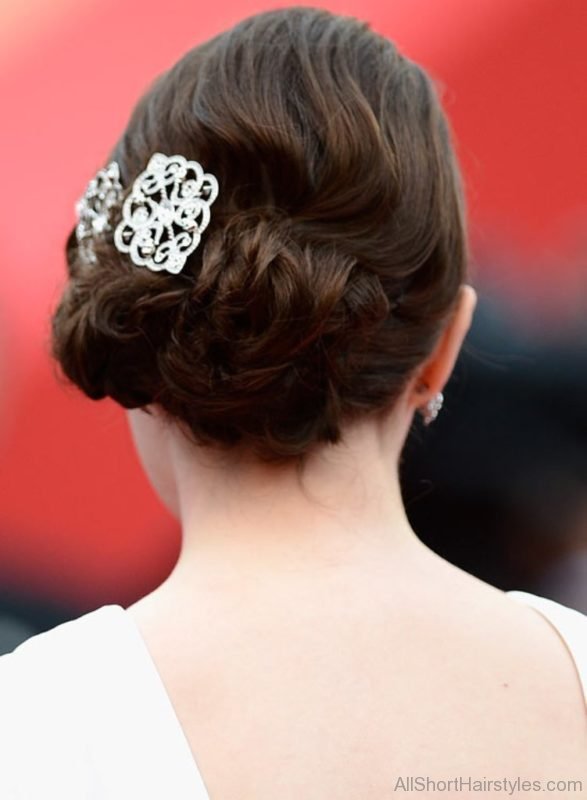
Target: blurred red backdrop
78,522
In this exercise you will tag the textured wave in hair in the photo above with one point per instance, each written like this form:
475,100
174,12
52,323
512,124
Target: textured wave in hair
334,255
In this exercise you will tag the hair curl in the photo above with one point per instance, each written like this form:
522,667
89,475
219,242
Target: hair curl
334,255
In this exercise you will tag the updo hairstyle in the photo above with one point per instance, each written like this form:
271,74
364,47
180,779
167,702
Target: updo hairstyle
334,254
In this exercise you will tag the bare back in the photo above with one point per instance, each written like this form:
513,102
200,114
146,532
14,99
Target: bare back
352,687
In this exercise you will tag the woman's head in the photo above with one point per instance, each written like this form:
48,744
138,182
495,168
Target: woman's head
333,258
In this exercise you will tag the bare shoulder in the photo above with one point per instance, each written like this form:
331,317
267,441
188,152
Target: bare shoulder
516,639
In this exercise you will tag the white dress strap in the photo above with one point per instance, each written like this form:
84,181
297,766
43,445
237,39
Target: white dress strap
84,714
570,624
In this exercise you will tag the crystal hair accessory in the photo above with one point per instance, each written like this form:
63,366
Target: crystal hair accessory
166,212
103,193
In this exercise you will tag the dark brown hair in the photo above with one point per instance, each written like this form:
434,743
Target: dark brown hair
334,254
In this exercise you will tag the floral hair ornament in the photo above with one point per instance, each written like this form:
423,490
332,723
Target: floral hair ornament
165,213
104,192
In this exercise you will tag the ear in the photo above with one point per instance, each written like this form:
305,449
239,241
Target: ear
432,375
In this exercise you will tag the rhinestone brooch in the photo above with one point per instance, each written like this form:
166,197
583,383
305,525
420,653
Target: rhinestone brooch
166,212
103,193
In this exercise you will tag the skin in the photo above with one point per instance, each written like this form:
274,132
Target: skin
308,639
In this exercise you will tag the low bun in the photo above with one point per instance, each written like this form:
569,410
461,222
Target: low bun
268,326
334,254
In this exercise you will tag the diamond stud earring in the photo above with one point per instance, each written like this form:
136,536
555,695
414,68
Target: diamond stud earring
432,408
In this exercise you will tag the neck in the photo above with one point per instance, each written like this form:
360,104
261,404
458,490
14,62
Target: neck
344,512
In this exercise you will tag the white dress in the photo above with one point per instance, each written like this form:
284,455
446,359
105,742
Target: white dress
84,714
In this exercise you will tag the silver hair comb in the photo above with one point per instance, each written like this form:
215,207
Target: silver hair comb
103,193
163,216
